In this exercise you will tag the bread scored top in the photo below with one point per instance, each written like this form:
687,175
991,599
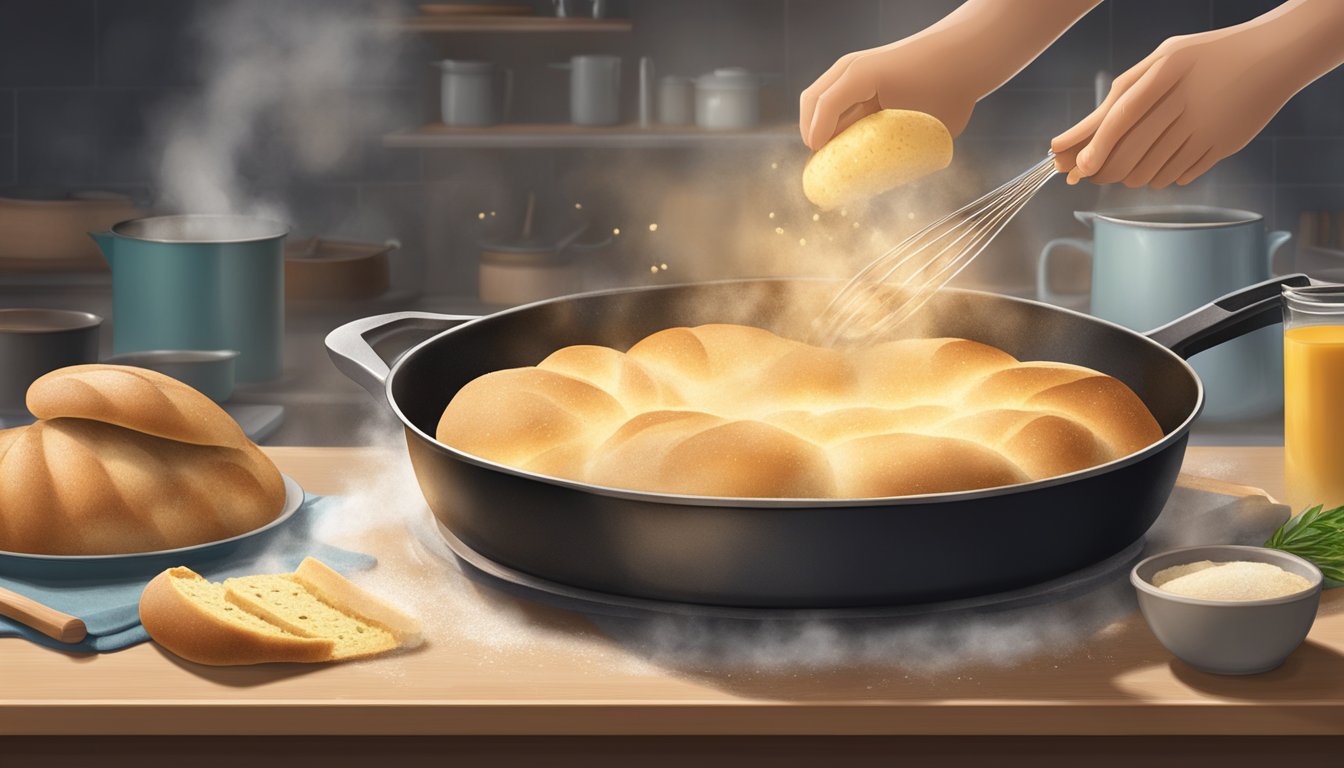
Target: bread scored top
135,398
126,460
736,411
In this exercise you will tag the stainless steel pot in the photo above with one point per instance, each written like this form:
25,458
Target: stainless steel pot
792,553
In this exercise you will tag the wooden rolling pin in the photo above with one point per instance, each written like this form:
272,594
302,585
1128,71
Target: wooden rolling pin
49,621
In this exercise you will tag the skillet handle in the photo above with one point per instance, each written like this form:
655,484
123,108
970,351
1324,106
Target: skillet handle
1236,314
351,345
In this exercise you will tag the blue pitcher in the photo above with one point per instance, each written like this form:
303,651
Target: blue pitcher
1152,265
199,282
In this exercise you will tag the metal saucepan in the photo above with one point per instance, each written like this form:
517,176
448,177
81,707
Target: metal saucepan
34,342
208,371
792,553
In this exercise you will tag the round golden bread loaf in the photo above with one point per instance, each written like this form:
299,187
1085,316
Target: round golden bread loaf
735,411
126,460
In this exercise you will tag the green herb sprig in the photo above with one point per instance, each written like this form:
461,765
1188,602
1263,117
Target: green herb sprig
1316,535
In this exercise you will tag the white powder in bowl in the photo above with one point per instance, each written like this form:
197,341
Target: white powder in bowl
1238,580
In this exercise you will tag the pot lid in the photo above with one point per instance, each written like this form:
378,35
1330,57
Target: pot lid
201,228
1175,217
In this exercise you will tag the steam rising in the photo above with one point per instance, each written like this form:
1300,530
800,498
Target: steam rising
281,76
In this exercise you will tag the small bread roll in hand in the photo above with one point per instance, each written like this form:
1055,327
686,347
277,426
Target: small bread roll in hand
880,152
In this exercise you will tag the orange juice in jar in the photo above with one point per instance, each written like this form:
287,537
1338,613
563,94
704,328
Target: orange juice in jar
1313,395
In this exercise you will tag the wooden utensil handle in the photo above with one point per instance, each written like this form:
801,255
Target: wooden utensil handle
1221,487
49,621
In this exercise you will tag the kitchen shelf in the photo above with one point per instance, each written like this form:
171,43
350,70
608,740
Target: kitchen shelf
509,24
566,135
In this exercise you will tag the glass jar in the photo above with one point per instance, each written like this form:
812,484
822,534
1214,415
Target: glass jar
1313,395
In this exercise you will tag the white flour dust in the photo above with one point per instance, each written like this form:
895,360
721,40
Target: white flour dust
390,510
425,581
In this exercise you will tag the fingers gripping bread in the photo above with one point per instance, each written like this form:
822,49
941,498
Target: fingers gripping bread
725,410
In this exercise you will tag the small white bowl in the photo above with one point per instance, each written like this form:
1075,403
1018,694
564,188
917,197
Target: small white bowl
1228,637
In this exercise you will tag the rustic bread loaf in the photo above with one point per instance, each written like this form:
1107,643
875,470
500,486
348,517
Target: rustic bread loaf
728,410
136,398
126,460
312,615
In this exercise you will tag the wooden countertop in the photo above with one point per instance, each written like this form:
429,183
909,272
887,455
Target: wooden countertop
494,665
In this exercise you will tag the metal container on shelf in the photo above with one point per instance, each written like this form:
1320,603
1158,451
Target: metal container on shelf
467,93
594,89
728,99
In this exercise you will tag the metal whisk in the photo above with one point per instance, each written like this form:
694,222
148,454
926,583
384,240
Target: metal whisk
895,285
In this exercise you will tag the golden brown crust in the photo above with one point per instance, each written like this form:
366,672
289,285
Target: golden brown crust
724,410
182,626
77,487
137,399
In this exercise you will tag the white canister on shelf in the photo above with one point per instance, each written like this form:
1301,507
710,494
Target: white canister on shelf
728,99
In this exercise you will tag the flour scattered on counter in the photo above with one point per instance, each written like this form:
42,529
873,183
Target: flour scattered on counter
490,626
389,516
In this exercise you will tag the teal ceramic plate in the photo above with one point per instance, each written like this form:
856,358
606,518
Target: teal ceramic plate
24,565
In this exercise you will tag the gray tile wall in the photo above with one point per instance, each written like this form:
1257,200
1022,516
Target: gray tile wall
83,81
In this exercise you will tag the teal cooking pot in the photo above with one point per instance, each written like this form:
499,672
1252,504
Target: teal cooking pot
199,282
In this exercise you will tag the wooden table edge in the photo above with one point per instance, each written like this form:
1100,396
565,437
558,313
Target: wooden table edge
624,719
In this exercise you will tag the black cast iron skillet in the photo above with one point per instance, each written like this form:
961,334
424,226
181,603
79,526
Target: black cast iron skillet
793,553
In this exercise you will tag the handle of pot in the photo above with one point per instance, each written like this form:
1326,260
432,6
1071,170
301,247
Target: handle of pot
351,345
1236,314
1043,291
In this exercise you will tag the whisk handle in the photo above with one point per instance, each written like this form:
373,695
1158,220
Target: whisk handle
1236,314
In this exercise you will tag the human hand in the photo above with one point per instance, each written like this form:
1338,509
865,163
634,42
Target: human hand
941,71
1199,98
892,76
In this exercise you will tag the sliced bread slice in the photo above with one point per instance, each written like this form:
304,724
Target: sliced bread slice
191,617
284,601
335,589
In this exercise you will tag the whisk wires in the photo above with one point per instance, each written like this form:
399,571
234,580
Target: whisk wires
894,286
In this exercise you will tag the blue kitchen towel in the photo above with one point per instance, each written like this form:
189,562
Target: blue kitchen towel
110,607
